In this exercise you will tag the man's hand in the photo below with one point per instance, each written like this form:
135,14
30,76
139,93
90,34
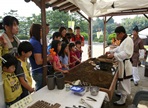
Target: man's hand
65,71
110,56
107,53
31,90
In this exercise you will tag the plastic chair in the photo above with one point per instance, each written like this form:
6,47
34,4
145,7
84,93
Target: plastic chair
139,96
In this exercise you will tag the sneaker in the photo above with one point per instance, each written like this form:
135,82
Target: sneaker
118,94
116,103
120,102
132,79
136,83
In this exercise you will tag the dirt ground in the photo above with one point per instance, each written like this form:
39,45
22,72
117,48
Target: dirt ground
143,85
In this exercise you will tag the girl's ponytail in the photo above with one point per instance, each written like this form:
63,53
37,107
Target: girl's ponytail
1,26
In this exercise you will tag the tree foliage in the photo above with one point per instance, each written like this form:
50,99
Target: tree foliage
57,18
129,24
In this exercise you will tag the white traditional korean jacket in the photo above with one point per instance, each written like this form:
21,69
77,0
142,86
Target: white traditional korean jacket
122,54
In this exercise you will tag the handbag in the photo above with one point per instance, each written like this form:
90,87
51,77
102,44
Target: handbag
141,54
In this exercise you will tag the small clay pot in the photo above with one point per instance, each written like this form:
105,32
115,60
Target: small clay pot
60,81
50,82
94,90
58,73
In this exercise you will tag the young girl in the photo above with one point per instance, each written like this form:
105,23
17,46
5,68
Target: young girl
64,56
9,41
78,50
56,45
73,56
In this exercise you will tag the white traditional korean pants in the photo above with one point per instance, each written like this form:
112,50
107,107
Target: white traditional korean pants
124,88
136,77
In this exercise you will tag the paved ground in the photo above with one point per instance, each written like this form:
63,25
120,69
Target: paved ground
143,85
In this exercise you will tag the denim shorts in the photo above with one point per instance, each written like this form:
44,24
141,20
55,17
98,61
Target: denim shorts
38,77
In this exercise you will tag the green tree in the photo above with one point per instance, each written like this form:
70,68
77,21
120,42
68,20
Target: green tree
129,23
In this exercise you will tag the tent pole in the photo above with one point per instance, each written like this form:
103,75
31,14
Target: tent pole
82,15
89,34
104,43
90,39
43,18
109,19
145,16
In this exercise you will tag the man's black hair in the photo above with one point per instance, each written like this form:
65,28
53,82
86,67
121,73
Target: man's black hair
47,24
71,45
10,60
77,27
56,35
24,46
136,29
78,42
120,29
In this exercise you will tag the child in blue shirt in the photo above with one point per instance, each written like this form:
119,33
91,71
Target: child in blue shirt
63,54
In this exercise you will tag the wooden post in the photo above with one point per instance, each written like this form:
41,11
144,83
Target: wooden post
145,16
89,40
104,44
43,18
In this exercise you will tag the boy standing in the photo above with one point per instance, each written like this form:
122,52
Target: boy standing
25,51
12,86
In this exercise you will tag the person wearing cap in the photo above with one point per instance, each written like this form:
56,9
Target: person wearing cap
122,54
138,44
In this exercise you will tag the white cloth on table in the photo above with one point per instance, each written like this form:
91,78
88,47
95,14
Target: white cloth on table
67,98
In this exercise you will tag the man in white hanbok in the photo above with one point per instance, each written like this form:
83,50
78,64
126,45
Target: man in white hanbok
122,54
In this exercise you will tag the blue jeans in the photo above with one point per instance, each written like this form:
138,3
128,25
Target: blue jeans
38,80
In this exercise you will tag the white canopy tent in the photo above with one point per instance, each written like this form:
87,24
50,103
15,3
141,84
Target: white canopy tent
144,32
95,8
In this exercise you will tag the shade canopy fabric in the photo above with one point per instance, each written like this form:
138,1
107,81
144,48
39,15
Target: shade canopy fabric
95,8
144,32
